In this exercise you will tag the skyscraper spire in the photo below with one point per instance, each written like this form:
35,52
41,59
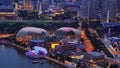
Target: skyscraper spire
108,12
40,8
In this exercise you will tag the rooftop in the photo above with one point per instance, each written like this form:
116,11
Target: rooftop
110,24
96,53
6,9
71,4
36,41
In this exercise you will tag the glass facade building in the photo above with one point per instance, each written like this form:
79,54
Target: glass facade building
28,33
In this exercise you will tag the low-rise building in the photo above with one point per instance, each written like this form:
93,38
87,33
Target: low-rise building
93,58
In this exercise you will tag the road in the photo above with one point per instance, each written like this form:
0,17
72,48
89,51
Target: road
5,35
87,43
110,49
32,21
116,59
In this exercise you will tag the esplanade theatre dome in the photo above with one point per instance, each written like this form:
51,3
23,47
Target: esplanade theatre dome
67,32
28,33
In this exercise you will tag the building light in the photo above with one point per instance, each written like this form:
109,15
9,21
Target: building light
53,45
19,39
91,60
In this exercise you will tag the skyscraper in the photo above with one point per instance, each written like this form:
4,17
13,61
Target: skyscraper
90,8
84,9
94,9
111,6
118,5
118,8
97,9
27,2
27,5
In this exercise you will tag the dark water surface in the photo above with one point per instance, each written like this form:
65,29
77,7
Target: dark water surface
11,58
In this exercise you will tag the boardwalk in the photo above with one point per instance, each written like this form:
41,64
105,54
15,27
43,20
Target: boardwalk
66,64
14,45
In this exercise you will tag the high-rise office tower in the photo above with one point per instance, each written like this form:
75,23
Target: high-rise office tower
51,2
97,9
94,9
27,5
84,9
118,5
111,6
118,8
90,9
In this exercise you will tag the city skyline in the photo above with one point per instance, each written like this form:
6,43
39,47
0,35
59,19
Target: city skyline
60,33
88,9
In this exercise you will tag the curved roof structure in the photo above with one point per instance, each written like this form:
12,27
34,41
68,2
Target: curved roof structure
69,29
32,31
41,49
37,52
32,54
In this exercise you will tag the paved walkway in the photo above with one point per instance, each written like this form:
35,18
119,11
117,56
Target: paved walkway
66,64
69,64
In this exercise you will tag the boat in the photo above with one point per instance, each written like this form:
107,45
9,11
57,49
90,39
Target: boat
35,62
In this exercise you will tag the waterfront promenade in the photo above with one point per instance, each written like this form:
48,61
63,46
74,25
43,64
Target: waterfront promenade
66,64
22,49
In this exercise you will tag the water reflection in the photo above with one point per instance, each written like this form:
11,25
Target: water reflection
3,46
10,58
